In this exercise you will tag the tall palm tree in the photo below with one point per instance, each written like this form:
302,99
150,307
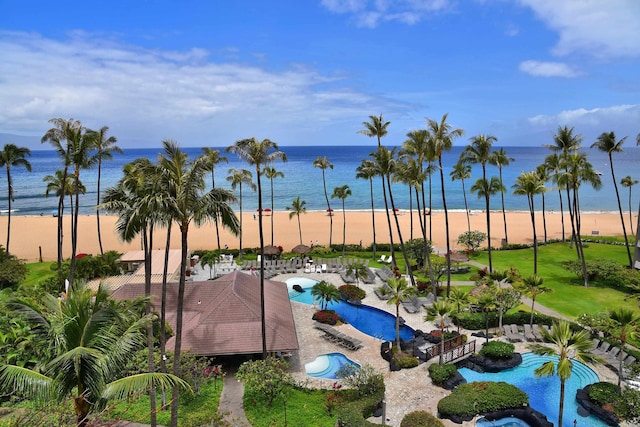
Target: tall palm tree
459,299
607,143
625,327
297,207
367,170
214,158
259,154
400,290
326,293
342,193
500,159
487,303
532,286
186,204
417,147
543,174
12,155
440,312
568,345
323,163
553,165
105,146
462,171
237,177
271,173
629,182
358,270
479,152
530,184
485,188
58,137
441,136
95,338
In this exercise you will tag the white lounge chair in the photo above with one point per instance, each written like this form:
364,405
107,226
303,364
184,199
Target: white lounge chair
318,269
324,268
307,268
383,259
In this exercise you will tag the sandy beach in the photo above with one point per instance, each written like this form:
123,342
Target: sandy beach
32,234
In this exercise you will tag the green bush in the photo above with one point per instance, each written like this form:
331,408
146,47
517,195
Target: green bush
468,400
330,317
440,373
476,321
497,350
603,392
626,406
355,413
353,292
420,419
406,361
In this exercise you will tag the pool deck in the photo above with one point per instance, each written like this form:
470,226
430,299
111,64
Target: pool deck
407,390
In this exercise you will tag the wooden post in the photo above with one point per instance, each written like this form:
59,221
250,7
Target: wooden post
40,250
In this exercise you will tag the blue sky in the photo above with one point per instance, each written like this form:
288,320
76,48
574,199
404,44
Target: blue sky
309,72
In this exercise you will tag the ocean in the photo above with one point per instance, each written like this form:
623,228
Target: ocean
302,179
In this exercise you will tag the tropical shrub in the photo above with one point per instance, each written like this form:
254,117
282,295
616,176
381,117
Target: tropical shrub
365,379
472,239
468,400
353,292
330,317
420,419
626,406
497,350
440,373
406,360
266,378
12,270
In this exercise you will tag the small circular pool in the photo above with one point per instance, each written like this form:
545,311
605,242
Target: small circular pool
369,320
326,365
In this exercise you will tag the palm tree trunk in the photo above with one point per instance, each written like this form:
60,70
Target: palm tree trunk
446,226
397,327
532,211
624,228
344,227
240,236
504,215
561,214
533,301
299,227
410,212
163,310
466,207
578,239
630,214
148,249
263,319
430,208
561,409
487,198
373,215
402,247
184,230
326,196
10,196
544,220
97,209
74,231
215,218
386,208
272,213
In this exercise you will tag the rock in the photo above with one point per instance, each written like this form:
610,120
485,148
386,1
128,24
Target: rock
453,381
480,363
528,414
582,396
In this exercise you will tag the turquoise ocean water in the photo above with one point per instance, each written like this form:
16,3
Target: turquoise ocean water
302,179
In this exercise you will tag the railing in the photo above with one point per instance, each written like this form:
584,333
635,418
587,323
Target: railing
459,352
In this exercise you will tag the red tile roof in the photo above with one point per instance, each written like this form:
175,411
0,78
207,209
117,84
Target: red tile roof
222,316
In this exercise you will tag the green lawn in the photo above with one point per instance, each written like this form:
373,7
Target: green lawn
37,272
569,296
303,407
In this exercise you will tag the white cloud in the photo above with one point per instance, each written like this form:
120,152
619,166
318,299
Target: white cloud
593,27
547,69
152,94
369,13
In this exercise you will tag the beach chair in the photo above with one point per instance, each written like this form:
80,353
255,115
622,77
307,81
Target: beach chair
383,259
318,268
307,268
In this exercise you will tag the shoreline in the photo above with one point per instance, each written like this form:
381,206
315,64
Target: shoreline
30,234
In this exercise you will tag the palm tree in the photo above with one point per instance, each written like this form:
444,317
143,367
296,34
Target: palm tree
342,193
367,170
532,286
105,147
297,207
400,290
530,184
210,259
607,143
237,177
625,327
479,152
440,312
459,299
57,135
326,293
441,136
187,204
95,338
568,345
213,159
323,163
12,155
500,159
258,154
552,164
60,183
271,173
486,301
629,182
485,189
462,171
543,174
417,147
358,270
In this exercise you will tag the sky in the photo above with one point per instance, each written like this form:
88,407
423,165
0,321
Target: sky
310,72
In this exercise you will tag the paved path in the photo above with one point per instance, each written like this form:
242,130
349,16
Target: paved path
231,401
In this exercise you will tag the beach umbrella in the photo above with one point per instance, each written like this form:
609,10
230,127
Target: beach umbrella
458,257
271,250
329,212
301,249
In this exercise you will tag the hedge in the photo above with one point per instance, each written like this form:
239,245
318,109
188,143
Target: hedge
468,400
440,373
420,419
497,350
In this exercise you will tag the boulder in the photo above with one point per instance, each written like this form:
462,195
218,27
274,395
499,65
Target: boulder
582,396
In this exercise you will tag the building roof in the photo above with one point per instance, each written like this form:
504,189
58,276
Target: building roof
222,316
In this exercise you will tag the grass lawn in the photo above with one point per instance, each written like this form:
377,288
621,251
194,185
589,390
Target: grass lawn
569,296
37,272
303,407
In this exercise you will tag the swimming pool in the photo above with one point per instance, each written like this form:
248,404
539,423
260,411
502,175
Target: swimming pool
502,422
369,320
544,392
326,365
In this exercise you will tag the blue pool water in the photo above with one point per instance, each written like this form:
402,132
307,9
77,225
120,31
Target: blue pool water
369,320
503,422
326,365
544,392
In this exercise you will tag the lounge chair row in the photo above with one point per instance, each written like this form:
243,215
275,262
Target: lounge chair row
611,354
528,333
337,337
